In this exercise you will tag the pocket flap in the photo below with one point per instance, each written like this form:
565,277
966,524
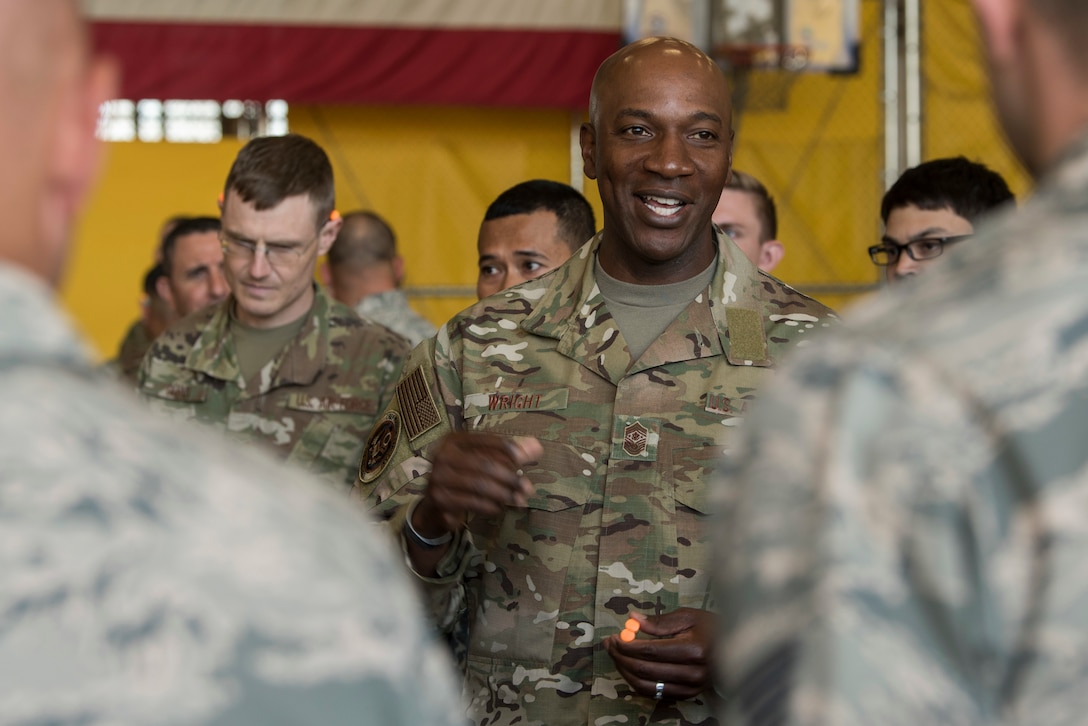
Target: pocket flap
562,478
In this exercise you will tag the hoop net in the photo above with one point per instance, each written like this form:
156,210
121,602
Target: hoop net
762,74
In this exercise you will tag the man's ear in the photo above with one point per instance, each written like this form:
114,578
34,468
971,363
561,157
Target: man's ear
771,253
398,270
75,159
162,286
587,136
328,235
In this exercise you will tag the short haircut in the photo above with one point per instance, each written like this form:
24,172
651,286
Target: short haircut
967,188
185,227
365,239
765,208
576,221
270,169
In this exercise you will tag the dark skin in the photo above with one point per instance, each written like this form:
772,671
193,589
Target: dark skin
659,144
473,474
673,649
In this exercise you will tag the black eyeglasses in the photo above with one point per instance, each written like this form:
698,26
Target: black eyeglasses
925,248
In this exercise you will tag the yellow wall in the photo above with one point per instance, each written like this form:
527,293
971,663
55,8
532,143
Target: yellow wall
959,117
142,185
433,171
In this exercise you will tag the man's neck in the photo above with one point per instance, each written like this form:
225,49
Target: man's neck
364,284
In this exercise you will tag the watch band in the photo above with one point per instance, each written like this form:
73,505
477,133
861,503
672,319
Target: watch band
428,543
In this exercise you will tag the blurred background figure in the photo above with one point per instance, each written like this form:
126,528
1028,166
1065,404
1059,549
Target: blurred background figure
192,260
531,228
906,539
150,574
931,206
365,272
746,213
156,316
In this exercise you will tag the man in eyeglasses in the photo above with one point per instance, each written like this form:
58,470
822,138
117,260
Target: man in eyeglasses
930,207
279,361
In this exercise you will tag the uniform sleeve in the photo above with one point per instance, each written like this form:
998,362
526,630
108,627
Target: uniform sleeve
852,560
166,385
397,462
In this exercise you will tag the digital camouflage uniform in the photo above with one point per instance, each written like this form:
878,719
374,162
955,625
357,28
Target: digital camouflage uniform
314,404
152,575
391,309
909,544
617,520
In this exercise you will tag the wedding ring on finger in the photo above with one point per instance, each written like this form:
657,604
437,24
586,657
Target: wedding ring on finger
659,691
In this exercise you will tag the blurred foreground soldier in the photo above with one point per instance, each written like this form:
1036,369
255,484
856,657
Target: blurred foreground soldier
545,461
530,229
279,362
909,543
930,207
149,574
156,316
365,272
192,258
746,212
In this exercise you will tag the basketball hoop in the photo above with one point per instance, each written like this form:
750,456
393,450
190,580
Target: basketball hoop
761,73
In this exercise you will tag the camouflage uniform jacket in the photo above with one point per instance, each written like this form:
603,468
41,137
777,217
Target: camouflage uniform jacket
391,309
909,539
133,349
150,574
313,404
617,521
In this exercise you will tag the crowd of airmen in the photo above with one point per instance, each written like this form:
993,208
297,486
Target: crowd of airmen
547,510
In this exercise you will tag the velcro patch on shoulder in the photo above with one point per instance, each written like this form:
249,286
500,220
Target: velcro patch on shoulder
416,404
380,447
747,338
332,404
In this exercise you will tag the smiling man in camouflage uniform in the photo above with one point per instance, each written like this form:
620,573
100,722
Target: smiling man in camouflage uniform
545,461
279,361
909,539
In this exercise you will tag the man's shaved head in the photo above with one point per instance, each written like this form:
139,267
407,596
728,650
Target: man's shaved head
633,53
659,145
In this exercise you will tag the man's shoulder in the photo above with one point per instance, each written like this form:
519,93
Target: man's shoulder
167,362
121,487
348,330
183,334
782,298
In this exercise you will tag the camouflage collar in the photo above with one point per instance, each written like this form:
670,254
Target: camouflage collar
572,311
299,363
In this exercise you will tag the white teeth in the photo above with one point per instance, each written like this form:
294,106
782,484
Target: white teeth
663,206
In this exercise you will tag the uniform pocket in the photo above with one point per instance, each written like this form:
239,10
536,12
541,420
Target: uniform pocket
693,472
526,581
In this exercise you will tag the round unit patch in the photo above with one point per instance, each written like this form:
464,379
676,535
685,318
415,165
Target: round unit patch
380,447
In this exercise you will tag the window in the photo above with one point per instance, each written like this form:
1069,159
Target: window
190,121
